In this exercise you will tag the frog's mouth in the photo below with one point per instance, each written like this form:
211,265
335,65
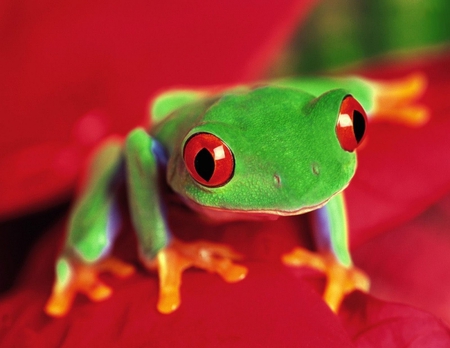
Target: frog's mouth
225,214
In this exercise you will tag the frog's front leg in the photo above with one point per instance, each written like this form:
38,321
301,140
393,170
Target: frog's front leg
92,228
333,257
158,249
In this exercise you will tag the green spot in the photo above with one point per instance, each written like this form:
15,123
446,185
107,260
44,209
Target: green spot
91,248
63,272
315,168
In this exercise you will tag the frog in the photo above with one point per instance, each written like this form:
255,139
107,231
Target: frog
258,151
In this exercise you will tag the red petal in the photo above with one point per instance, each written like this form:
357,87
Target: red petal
411,263
61,62
374,323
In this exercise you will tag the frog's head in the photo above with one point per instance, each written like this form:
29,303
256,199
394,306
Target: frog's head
272,150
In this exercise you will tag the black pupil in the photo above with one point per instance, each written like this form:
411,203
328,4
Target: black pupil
359,125
204,164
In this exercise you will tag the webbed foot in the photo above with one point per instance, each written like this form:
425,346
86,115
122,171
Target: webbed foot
178,256
394,100
341,280
74,277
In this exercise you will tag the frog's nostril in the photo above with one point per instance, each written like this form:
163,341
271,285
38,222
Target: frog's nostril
315,168
277,180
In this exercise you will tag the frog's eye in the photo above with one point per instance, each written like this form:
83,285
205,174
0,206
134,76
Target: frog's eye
208,160
351,124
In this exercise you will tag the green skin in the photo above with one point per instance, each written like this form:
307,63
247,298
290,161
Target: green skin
288,161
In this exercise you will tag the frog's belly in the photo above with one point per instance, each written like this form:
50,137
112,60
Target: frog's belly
225,215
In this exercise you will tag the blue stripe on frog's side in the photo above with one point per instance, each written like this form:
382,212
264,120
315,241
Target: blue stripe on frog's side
331,229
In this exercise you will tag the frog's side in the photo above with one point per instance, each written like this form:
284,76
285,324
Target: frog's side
283,148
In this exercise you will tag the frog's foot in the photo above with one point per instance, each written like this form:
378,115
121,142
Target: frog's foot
178,256
394,100
73,276
341,280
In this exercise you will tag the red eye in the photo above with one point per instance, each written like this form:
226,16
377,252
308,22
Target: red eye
351,124
208,159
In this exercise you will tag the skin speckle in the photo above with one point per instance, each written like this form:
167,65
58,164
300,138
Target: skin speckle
315,168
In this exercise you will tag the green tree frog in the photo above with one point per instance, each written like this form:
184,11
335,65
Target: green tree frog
261,151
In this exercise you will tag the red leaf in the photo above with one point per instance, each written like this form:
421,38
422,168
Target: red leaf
102,60
374,323
411,263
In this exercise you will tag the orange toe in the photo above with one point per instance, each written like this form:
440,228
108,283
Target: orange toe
83,278
395,101
341,280
178,256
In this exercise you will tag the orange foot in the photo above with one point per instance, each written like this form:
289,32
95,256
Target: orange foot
394,100
341,280
178,256
74,276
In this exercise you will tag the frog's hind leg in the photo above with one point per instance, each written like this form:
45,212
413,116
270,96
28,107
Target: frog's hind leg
92,228
396,101
77,277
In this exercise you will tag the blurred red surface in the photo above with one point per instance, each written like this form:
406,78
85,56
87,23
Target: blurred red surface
75,72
